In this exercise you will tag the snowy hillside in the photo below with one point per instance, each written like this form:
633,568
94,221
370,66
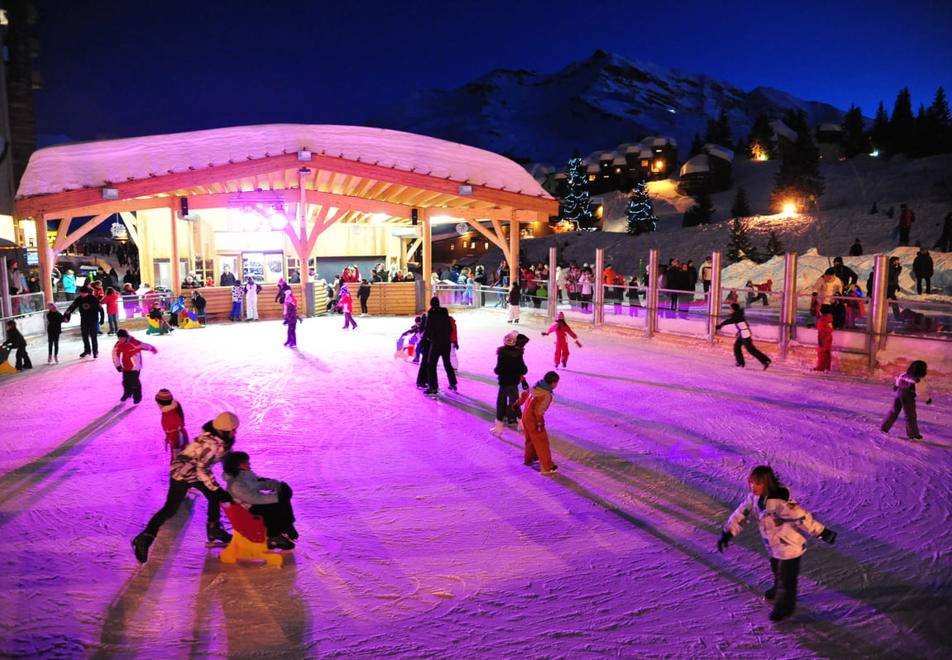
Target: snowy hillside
592,104
841,216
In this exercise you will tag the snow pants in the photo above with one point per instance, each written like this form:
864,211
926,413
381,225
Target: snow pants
175,440
537,440
507,396
177,491
905,401
279,516
824,352
52,341
349,321
785,573
561,352
747,342
433,356
513,313
235,311
131,385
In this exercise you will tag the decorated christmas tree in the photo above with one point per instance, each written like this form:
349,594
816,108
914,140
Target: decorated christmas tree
576,205
641,217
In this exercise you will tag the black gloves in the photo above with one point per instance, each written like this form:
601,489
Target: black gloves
723,541
119,369
929,400
828,535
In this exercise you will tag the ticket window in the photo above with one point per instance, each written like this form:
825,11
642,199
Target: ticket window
267,267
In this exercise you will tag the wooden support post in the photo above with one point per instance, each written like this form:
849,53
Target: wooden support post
46,256
176,285
652,294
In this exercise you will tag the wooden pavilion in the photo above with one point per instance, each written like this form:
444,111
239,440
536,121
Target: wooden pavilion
349,187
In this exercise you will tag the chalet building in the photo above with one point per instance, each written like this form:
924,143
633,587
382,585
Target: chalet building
710,170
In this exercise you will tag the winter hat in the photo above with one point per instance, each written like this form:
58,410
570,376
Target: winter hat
560,317
164,397
122,333
226,421
521,341
510,339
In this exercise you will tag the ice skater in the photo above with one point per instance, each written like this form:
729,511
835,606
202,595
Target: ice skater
345,304
290,317
252,289
16,341
784,526
54,328
744,336
513,300
127,357
561,329
905,401
824,336
510,371
192,469
533,424
268,498
173,422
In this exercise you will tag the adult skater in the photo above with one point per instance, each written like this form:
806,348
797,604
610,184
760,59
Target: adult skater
268,498
533,424
784,525
562,332
192,469
905,400
127,357
744,336
510,370
89,308
440,336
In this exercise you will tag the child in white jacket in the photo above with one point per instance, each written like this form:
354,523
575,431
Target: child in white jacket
268,498
783,526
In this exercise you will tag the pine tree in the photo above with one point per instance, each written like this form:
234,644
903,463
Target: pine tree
902,124
855,141
879,132
718,130
741,207
774,246
936,128
701,212
697,146
739,246
641,217
576,205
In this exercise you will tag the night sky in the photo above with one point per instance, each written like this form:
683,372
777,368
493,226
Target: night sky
119,69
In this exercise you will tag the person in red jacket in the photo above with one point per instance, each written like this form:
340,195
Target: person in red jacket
561,329
173,422
345,303
126,355
111,302
824,335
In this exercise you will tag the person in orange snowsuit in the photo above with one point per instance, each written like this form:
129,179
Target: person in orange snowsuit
561,329
533,423
824,334
173,422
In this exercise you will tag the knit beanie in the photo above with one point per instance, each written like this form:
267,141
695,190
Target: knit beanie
510,339
164,397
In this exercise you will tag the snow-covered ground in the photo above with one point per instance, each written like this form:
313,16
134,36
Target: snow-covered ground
424,536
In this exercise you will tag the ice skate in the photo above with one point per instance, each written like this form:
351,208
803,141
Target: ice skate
216,534
280,543
551,470
292,533
497,429
140,545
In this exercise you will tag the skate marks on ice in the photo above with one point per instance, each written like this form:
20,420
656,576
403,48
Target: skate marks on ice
20,480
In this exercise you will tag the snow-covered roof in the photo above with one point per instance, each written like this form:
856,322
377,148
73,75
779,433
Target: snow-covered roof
829,127
659,141
695,165
717,151
96,164
782,130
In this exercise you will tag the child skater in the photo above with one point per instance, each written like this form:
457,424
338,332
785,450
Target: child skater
561,329
510,370
513,300
345,303
54,327
905,400
824,335
290,317
408,340
783,526
533,424
15,340
173,422
268,498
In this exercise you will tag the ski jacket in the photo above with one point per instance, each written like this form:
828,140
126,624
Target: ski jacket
540,397
784,524
561,330
111,301
88,306
510,365
249,489
127,353
907,383
585,284
193,464
237,291
740,324
922,265
439,328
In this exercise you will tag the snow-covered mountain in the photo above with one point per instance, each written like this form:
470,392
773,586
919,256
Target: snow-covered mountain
596,103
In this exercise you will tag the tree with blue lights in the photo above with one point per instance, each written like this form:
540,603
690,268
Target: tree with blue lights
576,205
641,217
